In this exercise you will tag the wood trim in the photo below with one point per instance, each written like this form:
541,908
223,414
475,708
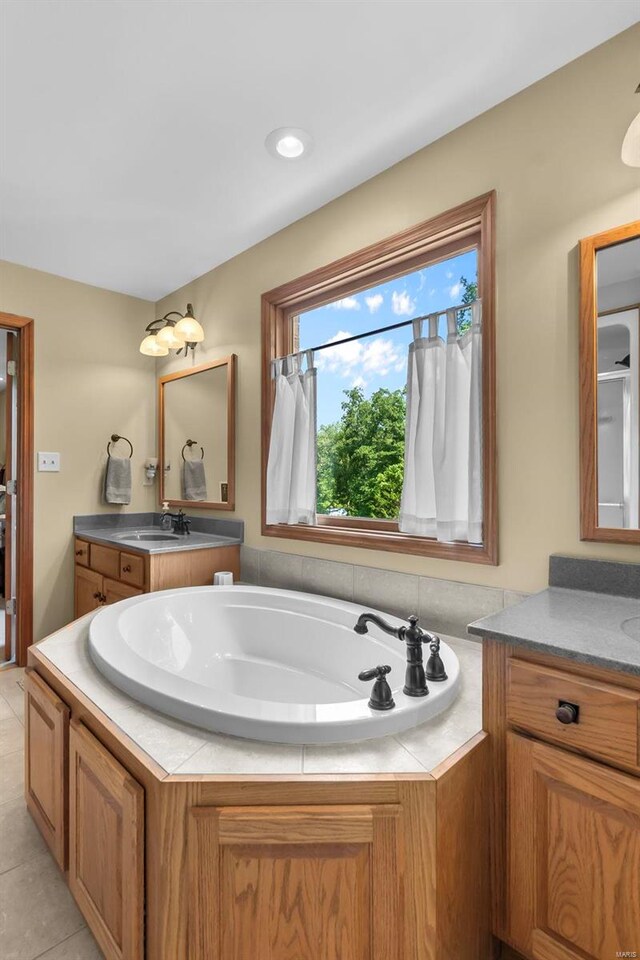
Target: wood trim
456,229
24,326
588,360
231,363
494,721
7,653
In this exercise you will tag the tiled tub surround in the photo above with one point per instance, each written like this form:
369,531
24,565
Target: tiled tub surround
182,749
108,528
445,606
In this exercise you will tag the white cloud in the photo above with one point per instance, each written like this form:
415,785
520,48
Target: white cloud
449,275
454,291
361,360
423,280
432,292
402,304
347,303
374,302
340,359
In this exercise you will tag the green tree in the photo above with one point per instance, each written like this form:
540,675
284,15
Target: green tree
470,293
361,458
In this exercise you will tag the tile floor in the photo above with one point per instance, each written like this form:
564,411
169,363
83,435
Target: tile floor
38,916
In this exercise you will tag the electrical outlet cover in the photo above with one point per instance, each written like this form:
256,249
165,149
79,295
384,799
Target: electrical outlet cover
48,462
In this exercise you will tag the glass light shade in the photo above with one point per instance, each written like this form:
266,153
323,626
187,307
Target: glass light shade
631,144
167,337
151,348
189,330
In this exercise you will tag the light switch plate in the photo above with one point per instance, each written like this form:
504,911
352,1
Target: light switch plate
48,462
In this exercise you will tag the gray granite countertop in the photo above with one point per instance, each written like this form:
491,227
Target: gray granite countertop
128,539
180,748
124,530
594,628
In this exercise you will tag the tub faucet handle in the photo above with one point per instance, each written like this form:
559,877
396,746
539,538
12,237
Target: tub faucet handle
381,697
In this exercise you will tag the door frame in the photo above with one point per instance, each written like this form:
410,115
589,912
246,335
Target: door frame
23,459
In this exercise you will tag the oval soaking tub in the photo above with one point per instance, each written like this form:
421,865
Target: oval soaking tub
265,664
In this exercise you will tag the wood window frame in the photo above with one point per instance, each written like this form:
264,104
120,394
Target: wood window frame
589,511
468,225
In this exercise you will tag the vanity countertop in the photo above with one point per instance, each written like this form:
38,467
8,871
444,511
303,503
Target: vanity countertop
183,749
594,628
130,531
172,544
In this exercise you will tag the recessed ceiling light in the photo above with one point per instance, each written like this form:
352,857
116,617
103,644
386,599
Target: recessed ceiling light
289,143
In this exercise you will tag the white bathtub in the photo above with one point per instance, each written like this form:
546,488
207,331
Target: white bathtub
265,664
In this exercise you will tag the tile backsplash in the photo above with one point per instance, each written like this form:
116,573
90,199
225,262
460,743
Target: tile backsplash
445,606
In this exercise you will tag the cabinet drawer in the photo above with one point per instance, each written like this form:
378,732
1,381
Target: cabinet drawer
132,569
81,551
607,721
105,560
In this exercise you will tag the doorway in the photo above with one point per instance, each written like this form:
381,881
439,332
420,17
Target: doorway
16,488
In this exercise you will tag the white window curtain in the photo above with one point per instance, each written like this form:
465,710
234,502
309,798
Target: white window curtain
291,469
442,490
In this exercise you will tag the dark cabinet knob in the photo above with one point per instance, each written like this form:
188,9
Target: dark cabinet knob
79,553
127,569
567,712
97,596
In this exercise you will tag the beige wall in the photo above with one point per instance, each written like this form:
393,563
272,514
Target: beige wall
553,155
91,381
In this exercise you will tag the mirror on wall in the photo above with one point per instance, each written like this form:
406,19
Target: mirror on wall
610,380
196,411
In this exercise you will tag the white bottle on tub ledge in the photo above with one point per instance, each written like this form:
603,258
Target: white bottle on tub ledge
223,578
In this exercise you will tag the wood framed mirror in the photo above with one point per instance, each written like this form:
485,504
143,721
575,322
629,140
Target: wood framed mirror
196,434
610,385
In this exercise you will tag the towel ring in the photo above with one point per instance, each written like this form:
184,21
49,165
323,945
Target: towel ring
192,443
114,439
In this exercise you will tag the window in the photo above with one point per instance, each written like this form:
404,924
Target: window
361,383
361,397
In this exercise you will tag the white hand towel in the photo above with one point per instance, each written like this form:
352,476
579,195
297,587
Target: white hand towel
194,483
117,480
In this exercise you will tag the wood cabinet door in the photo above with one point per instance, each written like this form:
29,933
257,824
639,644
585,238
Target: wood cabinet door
106,846
88,591
295,883
573,855
46,733
114,591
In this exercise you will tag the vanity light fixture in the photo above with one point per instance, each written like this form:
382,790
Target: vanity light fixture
289,143
174,331
631,142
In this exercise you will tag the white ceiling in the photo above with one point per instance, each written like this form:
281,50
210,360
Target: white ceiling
134,129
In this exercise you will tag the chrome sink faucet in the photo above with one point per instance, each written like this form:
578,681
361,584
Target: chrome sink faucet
415,681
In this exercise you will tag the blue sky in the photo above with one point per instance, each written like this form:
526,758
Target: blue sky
379,361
